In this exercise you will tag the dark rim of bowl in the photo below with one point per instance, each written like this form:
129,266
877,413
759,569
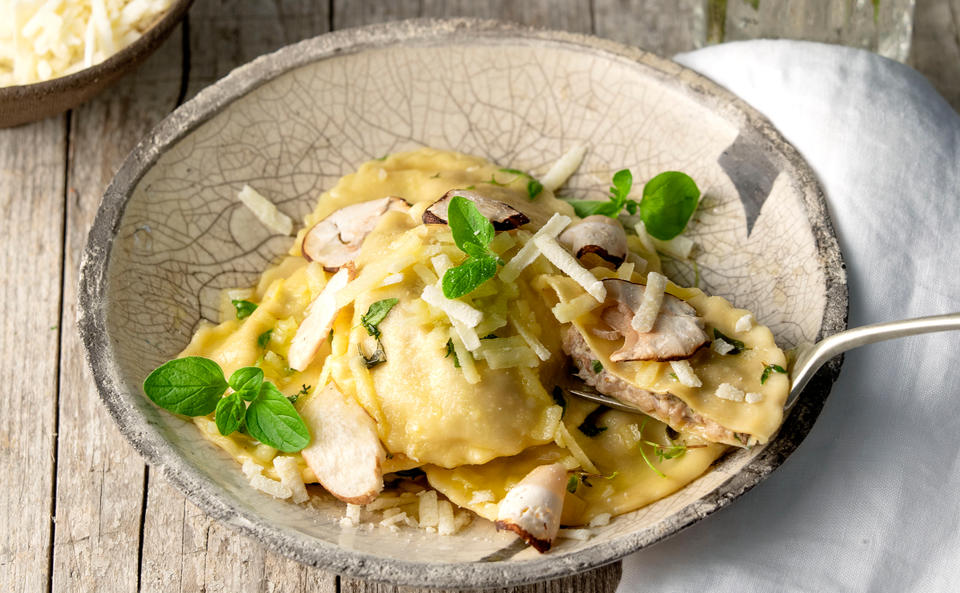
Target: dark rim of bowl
120,397
147,42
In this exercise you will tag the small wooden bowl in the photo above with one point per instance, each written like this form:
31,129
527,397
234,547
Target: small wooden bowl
30,102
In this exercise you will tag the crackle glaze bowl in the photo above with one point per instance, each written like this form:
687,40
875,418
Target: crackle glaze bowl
170,235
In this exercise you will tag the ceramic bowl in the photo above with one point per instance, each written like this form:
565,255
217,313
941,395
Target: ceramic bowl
31,102
170,235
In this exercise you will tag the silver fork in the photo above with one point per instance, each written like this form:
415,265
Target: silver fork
810,358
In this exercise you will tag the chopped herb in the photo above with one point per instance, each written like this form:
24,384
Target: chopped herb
586,477
304,390
572,484
470,187
738,346
674,376
558,399
375,314
330,336
374,359
672,451
383,158
264,338
489,337
771,368
493,181
617,201
435,175
534,187
597,366
589,425
244,308
472,233
453,351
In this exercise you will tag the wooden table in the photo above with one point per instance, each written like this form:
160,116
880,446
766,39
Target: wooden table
79,510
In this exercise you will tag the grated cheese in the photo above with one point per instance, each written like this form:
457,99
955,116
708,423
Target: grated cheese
625,271
265,211
561,258
254,473
528,253
455,310
445,522
465,358
721,346
685,374
577,534
542,352
729,392
392,279
600,520
481,496
570,310
563,168
753,398
291,478
428,510
744,324
44,40
646,314
680,247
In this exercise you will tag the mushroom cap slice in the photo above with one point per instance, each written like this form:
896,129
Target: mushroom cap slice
503,216
532,508
345,452
336,240
677,333
597,234
315,327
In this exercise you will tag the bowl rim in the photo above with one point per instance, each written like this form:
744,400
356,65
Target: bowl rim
147,440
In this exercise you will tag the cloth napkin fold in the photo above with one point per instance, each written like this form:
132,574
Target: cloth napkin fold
871,500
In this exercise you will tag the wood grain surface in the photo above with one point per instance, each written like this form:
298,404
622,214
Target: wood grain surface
79,510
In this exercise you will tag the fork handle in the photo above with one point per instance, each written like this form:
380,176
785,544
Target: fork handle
810,360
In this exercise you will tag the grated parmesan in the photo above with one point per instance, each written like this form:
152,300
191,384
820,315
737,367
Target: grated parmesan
455,310
744,324
646,314
561,258
600,520
392,279
265,211
563,168
481,496
254,473
685,374
721,346
680,247
753,398
528,253
729,392
291,478
576,534
428,510
44,40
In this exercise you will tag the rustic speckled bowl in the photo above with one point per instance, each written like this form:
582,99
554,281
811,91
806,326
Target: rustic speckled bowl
21,104
170,235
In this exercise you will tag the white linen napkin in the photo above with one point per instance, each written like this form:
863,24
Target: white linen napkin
871,500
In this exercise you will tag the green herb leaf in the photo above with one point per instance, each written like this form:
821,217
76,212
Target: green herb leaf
471,230
771,368
191,386
466,277
669,200
617,200
597,366
452,351
272,420
589,425
560,400
244,308
738,346
534,187
375,314
246,382
229,414
264,339
644,454
572,484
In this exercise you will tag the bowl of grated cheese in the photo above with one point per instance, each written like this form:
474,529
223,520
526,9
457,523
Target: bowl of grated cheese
56,54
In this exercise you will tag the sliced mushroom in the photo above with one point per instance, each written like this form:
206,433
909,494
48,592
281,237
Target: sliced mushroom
315,328
532,508
345,452
336,240
597,234
503,216
677,332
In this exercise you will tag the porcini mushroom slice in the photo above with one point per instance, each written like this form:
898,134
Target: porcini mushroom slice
597,234
345,451
315,328
532,508
336,240
503,216
677,332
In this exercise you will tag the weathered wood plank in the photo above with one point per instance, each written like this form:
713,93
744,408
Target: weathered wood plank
566,15
936,46
32,164
99,487
183,549
354,13
663,27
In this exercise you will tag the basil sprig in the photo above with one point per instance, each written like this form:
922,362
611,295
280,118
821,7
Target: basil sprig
194,386
669,200
472,233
